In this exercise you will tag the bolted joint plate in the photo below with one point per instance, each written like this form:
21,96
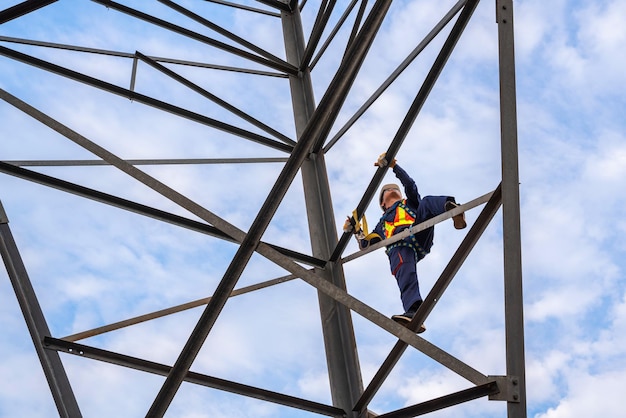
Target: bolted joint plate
509,388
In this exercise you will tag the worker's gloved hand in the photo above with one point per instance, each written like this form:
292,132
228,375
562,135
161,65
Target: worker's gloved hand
348,226
382,161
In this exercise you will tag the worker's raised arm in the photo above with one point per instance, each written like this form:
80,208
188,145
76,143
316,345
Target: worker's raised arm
410,188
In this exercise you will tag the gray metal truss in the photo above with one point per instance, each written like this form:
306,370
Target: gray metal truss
305,156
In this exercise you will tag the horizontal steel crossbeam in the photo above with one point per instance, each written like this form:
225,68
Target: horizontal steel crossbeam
192,377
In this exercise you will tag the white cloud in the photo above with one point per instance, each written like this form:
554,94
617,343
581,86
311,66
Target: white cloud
585,391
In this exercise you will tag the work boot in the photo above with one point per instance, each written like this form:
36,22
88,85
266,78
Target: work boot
405,318
459,220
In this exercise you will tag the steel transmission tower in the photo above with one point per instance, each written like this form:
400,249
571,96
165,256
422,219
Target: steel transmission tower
305,157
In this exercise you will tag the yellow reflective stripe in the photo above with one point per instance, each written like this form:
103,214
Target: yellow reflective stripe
389,228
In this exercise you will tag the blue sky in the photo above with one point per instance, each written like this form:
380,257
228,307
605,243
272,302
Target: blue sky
92,265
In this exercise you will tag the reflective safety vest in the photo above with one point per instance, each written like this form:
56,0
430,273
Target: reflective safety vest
404,217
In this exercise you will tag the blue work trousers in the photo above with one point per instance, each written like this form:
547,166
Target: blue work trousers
403,259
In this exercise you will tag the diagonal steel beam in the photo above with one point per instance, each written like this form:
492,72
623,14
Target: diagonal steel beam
431,77
276,63
132,56
120,91
140,209
407,123
330,38
321,123
434,295
171,310
355,25
321,21
396,73
22,9
135,363
489,388
375,317
146,161
36,322
217,28
193,86
318,125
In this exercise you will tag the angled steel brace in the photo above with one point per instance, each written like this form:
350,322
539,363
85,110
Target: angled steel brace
81,350
442,402
431,77
321,21
217,28
434,295
375,317
120,91
396,73
140,209
322,120
171,310
331,36
132,56
215,99
356,24
36,322
276,64
22,9
157,161
410,117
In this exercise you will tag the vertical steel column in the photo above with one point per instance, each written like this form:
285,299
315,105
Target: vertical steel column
339,340
513,300
50,361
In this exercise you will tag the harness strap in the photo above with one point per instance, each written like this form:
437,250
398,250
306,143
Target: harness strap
413,244
410,241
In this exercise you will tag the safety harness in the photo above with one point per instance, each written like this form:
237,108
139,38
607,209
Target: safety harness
404,216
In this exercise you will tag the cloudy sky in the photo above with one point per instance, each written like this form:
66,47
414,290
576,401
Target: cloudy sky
92,264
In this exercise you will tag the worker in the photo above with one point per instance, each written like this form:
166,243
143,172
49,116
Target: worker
399,214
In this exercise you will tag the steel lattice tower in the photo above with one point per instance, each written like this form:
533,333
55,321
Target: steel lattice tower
323,268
